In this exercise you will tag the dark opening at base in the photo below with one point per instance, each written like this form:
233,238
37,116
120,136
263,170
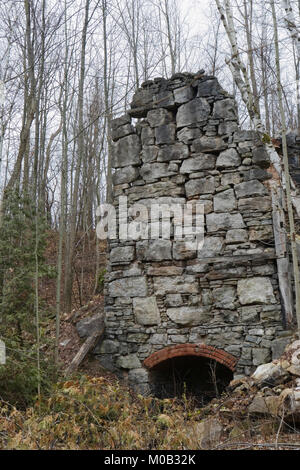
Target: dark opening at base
197,377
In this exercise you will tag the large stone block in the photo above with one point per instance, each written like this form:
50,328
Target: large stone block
128,287
224,297
129,362
120,121
159,117
128,174
108,346
237,236
227,127
208,144
225,109
122,254
256,290
87,326
261,356
138,376
213,246
146,311
209,88
175,285
165,134
126,152
250,188
183,94
228,159
147,135
178,151
200,186
150,153
154,190
154,250
260,204
204,161
220,221
244,135
122,131
183,250
197,110
189,316
263,232
188,134
165,99
153,171
225,201
279,345
261,157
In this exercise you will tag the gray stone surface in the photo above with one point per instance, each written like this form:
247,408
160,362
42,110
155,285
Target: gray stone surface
165,134
154,250
125,175
183,94
195,111
162,292
122,131
153,171
208,144
149,153
228,159
224,297
198,163
188,316
261,157
188,134
209,88
173,152
212,246
200,186
225,201
107,346
131,287
250,188
129,362
237,236
146,311
122,254
225,221
126,152
159,117
256,290
89,325
225,109
175,285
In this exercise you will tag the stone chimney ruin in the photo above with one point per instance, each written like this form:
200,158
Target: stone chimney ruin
172,310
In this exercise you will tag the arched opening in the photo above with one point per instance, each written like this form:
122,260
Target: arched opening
200,372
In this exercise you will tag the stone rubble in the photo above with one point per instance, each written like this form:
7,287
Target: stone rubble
273,390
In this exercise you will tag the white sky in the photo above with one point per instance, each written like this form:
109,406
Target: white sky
195,14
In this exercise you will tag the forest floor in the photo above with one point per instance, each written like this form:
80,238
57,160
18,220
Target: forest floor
92,409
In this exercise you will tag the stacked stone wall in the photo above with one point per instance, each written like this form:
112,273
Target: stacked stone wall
181,142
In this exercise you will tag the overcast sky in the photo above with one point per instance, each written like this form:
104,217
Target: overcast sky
195,13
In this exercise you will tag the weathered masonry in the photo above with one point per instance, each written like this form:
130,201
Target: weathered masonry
168,307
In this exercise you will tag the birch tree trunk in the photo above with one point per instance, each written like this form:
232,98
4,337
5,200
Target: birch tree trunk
286,171
294,30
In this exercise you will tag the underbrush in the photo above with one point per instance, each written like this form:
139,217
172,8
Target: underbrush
102,413
96,413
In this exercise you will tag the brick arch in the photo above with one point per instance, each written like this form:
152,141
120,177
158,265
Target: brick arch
200,350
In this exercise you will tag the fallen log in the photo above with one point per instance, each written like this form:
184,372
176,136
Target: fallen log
87,346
